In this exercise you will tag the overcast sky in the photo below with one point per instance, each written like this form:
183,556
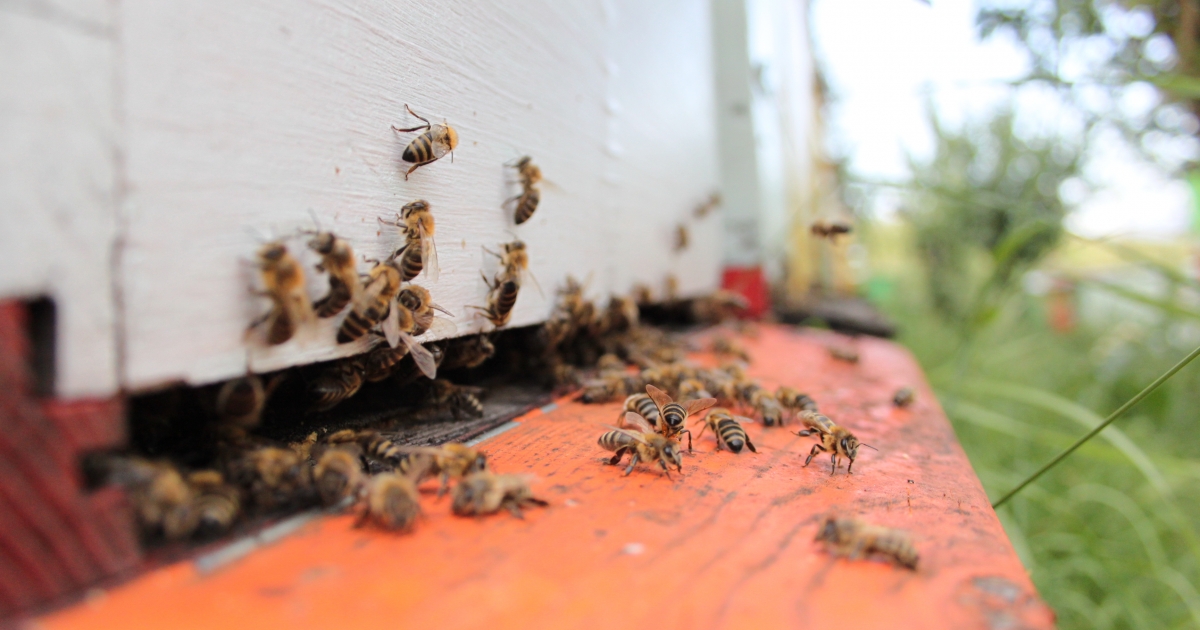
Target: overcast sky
882,57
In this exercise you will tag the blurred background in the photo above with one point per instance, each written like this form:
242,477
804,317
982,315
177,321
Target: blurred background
1022,177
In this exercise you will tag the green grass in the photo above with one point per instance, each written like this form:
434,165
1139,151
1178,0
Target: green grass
1110,535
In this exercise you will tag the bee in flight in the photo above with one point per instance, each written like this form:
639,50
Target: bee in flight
834,440
729,432
644,443
484,493
904,397
416,225
337,258
854,539
283,282
436,142
830,230
527,201
682,237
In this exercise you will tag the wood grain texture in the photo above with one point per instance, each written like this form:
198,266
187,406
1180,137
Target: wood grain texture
242,115
58,178
727,544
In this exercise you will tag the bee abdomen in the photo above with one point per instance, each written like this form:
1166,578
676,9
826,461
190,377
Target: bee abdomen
674,415
615,441
281,328
338,298
647,409
420,150
527,203
356,325
732,434
411,264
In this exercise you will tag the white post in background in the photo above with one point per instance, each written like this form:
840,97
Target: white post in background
765,77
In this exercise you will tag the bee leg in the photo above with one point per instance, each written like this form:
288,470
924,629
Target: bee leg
536,501
415,167
443,486
850,466
632,462
688,431
813,453
750,445
833,459
515,509
805,433
616,459
666,470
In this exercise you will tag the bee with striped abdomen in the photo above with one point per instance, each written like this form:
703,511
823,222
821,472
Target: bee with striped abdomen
501,298
215,505
794,401
373,304
419,252
337,259
835,440
484,493
644,406
460,399
853,539
767,407
283,283
527,201
430,146
469,352
448,461
675,415
646,446
336,383
729,432
273,477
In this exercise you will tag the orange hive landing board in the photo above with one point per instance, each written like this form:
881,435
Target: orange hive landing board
727,544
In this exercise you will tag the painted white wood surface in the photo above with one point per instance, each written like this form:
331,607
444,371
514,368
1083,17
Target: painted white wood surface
58,178
243,114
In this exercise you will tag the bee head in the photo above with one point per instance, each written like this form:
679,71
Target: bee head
272,252
849,445
451,137
322,242
413,206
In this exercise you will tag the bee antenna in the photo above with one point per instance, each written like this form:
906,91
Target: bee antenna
868,446
257,234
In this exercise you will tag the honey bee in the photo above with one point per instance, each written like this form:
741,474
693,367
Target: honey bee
795,401
767,407
283,283
692,388
373,303
379,363
240,401
436,142
337,258
336,383
416,225
621,315
646,446
484,493
645,407
682,237
159,494
371,444
722,386
726,347
215,505
273,477
904,397
854,539
607,388
514,261
708,206
844,353
579,310
458,398
501,299
390,502
470,352
834,440
337,474
527,201
448,461
675,415
642,294
420,303
728,430
830,230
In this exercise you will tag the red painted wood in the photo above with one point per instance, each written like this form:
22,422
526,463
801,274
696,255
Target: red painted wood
55,538
750,283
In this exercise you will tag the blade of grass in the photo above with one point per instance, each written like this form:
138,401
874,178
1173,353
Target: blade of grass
1100,427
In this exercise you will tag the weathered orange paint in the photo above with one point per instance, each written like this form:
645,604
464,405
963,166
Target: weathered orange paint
728,544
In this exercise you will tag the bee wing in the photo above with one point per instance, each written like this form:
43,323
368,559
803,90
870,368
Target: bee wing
423,320
429,259
696,406
633,420
743,419
424,359
529,274
633,434
442,327
391,325
661,399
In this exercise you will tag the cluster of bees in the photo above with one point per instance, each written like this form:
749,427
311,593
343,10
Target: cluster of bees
351,467
662,391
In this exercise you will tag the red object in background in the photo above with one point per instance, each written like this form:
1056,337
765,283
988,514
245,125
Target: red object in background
750,283
55,538
1060,306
